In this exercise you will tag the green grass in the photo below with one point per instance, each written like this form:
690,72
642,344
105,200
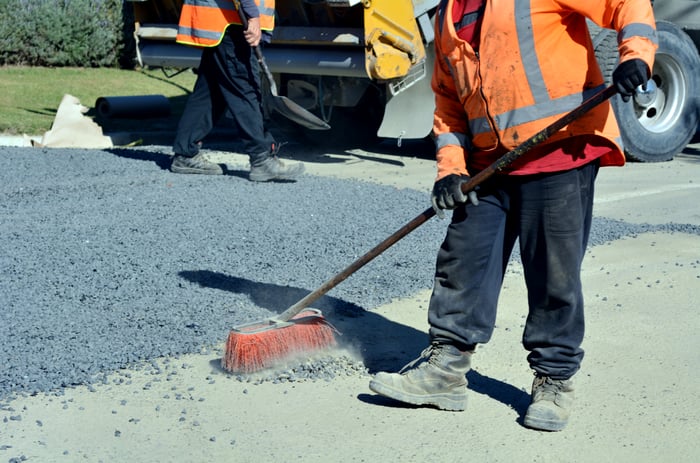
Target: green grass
29,96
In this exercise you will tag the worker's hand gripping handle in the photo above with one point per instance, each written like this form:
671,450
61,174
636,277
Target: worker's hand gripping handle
256,50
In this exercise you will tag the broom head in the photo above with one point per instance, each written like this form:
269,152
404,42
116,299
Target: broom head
255,346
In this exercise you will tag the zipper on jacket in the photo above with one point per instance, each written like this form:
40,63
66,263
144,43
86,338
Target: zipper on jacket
492,123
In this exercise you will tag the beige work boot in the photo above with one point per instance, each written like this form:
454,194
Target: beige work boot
194,165
551,404
435,378
271,168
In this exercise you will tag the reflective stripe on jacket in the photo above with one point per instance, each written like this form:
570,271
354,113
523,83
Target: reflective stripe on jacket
535,63
203,22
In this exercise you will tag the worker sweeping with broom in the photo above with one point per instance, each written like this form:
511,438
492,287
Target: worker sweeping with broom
505,69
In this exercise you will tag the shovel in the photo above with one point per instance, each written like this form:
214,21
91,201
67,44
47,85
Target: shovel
282,104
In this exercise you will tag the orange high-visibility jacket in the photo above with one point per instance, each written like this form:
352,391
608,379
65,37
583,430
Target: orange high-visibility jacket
203,22
535,63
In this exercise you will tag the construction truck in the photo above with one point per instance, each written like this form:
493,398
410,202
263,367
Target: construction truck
359,62
659,122
364,67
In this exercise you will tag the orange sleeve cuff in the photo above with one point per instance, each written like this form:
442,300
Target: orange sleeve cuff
640,48
451,159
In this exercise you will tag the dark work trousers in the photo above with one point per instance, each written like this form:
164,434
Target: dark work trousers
228,78
550,216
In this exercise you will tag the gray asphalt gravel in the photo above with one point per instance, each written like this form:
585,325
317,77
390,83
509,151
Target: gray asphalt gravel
109,259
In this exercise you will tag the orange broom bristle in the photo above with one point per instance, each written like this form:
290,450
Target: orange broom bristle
255,347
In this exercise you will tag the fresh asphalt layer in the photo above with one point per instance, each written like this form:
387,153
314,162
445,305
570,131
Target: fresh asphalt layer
110,259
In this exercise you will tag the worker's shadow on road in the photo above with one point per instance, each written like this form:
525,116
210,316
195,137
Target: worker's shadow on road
293,152
163,160
384,345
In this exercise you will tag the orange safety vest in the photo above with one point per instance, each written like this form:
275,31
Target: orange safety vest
534,64
203,22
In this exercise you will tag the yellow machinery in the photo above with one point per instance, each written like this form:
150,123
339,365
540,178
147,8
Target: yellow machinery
364,66
366,59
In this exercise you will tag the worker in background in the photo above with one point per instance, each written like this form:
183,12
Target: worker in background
504,71
228,78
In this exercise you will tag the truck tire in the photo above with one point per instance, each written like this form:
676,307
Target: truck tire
658,124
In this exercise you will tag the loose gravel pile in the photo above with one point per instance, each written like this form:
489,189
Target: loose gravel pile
108,259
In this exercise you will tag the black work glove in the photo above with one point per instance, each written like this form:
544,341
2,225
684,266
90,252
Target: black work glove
629,75
447,194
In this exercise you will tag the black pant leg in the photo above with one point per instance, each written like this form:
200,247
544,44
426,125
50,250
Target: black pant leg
555,216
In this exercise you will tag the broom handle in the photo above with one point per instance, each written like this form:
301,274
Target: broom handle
427,214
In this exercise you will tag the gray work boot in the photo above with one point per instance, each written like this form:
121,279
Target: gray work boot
271,168
551,404
194,165
436,378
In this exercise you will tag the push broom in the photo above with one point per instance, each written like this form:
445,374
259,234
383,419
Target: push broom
255,346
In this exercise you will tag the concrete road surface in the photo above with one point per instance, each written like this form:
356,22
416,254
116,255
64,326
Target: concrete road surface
637,391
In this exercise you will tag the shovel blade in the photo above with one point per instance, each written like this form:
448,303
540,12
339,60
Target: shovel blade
296,113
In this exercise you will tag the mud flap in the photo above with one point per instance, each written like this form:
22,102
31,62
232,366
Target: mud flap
409,112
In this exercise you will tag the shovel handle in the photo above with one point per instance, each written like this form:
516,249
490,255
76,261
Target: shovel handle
427,214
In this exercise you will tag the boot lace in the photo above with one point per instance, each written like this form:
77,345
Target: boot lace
276,147
547,388
429,356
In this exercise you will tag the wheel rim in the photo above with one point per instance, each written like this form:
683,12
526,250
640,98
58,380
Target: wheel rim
660,106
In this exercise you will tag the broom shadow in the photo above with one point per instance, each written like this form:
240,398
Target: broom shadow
381,343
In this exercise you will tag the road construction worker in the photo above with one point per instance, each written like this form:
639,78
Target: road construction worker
228,79
505,69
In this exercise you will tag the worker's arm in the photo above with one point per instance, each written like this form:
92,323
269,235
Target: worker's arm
632,19
252,33
450,126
